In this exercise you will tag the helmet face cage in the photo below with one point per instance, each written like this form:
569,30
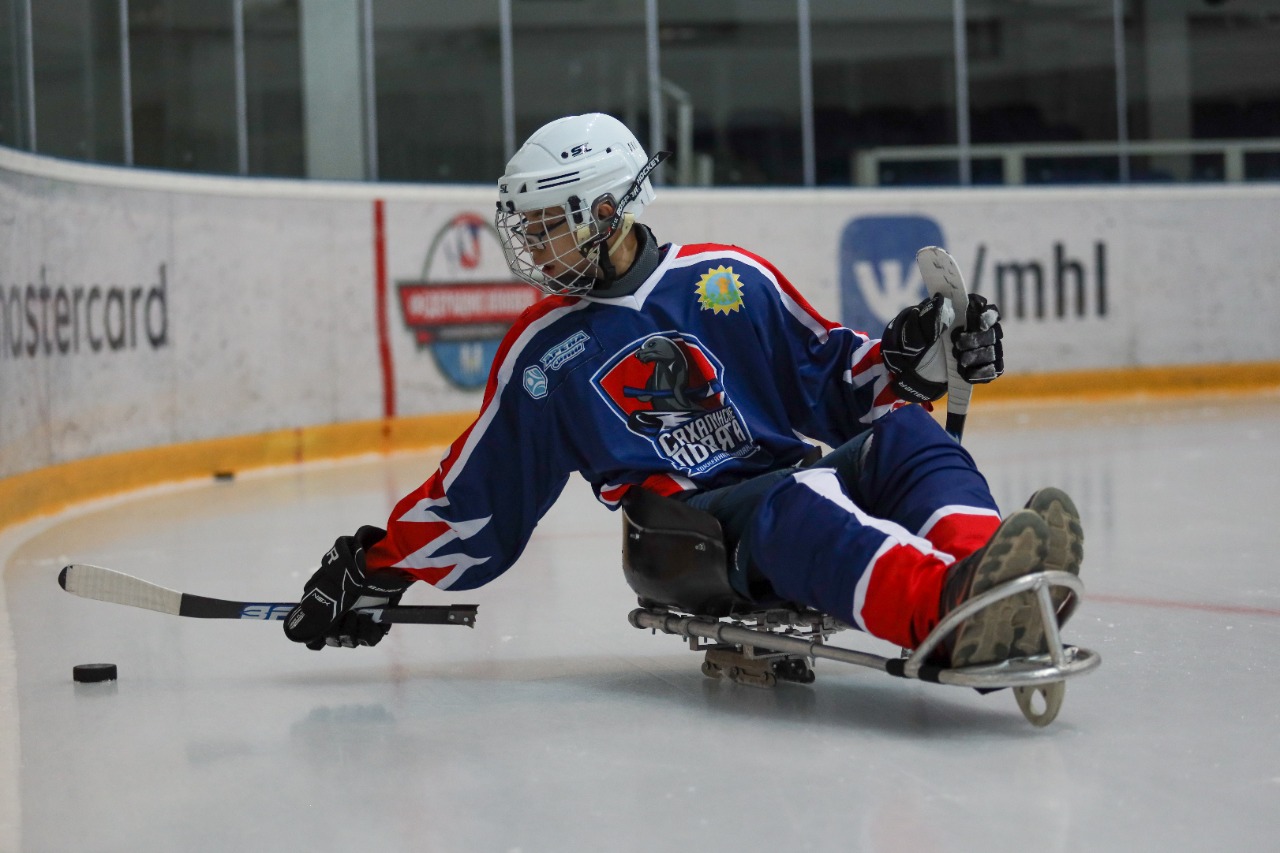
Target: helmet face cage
524,232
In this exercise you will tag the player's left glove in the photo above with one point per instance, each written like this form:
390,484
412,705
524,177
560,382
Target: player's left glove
326,615
907,340
978,351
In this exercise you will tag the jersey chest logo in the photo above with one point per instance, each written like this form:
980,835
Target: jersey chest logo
668,388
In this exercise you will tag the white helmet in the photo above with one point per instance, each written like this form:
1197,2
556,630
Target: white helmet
575,164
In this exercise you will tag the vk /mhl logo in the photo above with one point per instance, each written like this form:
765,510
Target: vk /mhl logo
879,277
668,388
1041,288
878,274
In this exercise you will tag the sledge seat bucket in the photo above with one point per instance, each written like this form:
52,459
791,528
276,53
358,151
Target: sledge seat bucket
674,556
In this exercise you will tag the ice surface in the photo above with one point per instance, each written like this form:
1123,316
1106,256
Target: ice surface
554,725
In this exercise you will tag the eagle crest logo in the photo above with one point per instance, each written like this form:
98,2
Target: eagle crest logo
668,388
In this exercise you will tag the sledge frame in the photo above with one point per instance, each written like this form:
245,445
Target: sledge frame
777,635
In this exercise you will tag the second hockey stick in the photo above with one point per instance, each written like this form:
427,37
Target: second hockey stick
118,588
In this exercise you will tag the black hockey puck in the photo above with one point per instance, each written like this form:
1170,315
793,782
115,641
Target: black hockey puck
90,672
224,476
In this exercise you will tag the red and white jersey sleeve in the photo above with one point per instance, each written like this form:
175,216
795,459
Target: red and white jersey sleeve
470,521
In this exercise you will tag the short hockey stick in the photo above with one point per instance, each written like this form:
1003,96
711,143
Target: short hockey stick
118,588
942,275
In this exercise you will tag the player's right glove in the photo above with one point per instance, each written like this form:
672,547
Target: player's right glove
326,615
979,353
907,339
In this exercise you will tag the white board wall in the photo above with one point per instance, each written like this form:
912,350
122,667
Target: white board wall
141,309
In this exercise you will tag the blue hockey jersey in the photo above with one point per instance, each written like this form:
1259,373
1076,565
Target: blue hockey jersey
714,370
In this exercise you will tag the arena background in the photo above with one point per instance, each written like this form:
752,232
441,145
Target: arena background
251,233
1104,170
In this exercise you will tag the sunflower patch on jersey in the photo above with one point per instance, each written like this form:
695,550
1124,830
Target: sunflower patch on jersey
668,388
720,290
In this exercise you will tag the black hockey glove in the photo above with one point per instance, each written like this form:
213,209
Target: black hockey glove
979,353
325,615
907,340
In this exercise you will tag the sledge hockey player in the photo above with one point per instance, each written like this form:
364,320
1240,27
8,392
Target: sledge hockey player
692,370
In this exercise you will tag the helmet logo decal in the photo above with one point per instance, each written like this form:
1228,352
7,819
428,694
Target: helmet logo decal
576,151
668,389
720,290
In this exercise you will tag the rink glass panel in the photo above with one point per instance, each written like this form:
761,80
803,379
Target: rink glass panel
439,91
883,75
78,92
1204,71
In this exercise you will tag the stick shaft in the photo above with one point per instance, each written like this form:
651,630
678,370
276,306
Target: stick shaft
108,585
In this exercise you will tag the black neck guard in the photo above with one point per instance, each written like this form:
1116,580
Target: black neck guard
646,261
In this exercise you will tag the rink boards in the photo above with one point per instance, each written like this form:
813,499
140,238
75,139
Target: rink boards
144,309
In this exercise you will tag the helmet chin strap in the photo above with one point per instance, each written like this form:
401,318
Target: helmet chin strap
620,223
604,260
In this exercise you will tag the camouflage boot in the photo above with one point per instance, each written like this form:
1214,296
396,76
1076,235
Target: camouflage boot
1011,627
1066,542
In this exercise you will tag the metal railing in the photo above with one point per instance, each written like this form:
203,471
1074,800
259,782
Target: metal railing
691,168
1014,157
683,104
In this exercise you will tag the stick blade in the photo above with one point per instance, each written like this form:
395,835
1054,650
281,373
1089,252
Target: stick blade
118,588
941,274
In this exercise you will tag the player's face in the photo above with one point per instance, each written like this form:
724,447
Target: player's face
550,240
